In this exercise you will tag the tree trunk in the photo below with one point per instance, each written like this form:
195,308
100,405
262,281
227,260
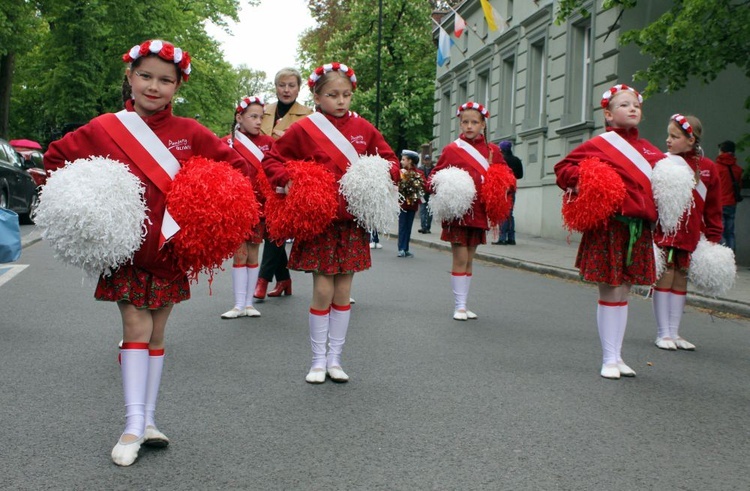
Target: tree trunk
7,62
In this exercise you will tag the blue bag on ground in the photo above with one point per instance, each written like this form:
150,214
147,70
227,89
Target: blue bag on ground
10,236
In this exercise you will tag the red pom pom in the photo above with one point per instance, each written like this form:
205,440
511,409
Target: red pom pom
310,206
600,195
495,194
215,207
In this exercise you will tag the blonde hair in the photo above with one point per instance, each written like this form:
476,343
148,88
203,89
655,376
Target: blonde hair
288,72
326,77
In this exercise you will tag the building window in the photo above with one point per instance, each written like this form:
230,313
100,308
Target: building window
535,86
461,94
509,10
507,95
445,118
578,81
483,88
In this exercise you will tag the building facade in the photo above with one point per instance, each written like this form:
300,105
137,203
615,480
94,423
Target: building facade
542,84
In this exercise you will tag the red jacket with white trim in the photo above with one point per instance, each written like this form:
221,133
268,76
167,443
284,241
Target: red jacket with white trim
703,217
639,202
182,136
296,144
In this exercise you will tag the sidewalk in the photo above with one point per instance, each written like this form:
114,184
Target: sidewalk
557,258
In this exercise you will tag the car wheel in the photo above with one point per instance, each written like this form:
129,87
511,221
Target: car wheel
28,218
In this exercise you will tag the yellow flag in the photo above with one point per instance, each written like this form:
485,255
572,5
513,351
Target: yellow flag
491,15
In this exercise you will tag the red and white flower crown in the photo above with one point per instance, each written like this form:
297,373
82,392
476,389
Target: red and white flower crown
247,100
165,50
332,67
473,105
607,96
682,122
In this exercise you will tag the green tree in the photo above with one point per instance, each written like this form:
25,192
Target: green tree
407,61
695,39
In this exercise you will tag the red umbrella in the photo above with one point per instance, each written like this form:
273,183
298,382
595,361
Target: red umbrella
30,144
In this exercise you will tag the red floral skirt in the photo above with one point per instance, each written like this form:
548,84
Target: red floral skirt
603,256
678,259
257,233
465,236
343,247
141,288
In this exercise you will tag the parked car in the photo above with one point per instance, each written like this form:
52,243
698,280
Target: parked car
18,190
34,163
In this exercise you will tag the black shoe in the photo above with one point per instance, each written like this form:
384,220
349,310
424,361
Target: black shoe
511,242
420,231
426,231
501,242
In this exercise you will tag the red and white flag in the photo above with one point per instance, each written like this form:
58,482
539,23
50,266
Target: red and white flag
459,24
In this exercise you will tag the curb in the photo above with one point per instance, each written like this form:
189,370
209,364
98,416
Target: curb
693,299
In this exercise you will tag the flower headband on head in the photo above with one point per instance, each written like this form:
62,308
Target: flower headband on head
607,96
247,100
682,122
473,105
165,50
332,67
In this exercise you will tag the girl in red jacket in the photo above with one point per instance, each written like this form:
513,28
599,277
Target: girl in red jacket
683,144
329,137
472,153
252,145
147,289
620,254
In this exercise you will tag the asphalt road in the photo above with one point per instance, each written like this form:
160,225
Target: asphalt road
510,401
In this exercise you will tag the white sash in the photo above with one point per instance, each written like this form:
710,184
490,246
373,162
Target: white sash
160,153
474,153
700,187
333,134
248,143
625,148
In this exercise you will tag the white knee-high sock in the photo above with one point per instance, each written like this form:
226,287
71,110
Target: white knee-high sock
318,322
252,280
134,368
607,320
677,302
458,283
239,285
661,312
338,324
155,366
467,286
622,324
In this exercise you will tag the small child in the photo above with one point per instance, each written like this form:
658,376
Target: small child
147,289
683,144
412,182
252,145
327,137
619,254
472,153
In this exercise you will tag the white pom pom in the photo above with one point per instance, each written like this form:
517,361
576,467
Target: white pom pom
454,193
712,268
92,213
370,193
660,261
672,184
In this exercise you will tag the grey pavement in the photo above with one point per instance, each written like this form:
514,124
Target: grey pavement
557,258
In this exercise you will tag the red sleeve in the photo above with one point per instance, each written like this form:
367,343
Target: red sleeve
567,169
290,146
712,210
76,144
378,146
210,146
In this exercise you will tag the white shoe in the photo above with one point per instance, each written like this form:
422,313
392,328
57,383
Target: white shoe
316,376
378,245
251,312
471,315
625,370
338,375
155,438
372,245
610,371
234,313
665,343
124,454
460,315
681,343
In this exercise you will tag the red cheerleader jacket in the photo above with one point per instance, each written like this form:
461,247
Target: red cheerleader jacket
296,144
264,144
704,216
639,202
183,137
453,156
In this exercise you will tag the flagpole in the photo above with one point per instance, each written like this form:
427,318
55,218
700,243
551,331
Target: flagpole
462,51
